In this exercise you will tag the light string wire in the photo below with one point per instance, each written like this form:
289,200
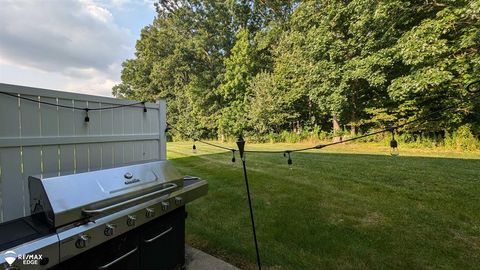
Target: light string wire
470,89
73,107
86,109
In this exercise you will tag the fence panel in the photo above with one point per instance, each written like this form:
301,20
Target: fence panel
38,138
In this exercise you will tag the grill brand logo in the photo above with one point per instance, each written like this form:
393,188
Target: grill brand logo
132,181
27,259
10,257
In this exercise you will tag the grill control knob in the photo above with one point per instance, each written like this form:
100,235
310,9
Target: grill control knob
82,241
178,200
109,230
131,220
165,206
150,212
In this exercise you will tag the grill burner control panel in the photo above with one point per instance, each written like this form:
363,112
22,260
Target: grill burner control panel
95,233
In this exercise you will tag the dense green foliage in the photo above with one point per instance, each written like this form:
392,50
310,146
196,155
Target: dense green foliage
264,67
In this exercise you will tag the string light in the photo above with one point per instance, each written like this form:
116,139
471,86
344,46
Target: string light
233,155
194,147
87,119
289,161
144,107
393,144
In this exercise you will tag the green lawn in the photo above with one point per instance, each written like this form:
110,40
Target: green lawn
348,207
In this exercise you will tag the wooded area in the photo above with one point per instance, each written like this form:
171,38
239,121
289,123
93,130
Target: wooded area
331,67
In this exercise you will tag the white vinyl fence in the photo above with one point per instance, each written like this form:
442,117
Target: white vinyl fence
42,139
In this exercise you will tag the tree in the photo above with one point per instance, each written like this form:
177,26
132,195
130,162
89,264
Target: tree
237,76
268,66
441,56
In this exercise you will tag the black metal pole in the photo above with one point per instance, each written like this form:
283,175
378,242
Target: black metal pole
241,148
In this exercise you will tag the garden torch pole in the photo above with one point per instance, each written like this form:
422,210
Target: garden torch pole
241,149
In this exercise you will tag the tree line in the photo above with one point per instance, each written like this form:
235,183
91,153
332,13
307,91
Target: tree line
264,67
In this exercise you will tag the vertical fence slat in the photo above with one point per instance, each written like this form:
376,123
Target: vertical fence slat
153,121
10,127
81,158
153,145
31,166
147,150
137,116
118,154
12,185
128,120
128,152
9,117
138,154
107,120
48,118
107,155
30,117
66,122
118,122
50,159
67,159
95,156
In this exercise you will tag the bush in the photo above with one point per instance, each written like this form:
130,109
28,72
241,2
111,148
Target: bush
463,139
289,137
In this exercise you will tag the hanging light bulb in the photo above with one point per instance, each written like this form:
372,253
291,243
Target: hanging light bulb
394,145
289,161
194,147
144,107
87,119
233,156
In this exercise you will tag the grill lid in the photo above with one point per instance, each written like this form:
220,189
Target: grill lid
62,200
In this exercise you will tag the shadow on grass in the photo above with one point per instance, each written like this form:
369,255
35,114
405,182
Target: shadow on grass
338,211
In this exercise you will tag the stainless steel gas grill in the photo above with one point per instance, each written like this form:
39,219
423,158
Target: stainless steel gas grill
129,217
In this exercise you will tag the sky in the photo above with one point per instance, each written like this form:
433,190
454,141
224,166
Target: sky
69,45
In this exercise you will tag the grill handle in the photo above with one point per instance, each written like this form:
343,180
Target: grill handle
106,266
158,236
113,206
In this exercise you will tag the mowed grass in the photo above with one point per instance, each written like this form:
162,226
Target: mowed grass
347,207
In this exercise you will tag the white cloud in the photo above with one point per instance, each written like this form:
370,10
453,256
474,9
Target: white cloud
98,12
92,86
78,41
124,3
